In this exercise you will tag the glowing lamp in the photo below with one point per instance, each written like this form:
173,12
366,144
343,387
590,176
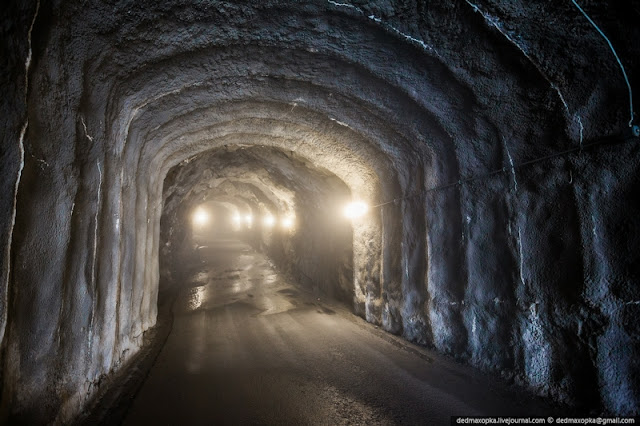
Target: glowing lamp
269,221
356,209
248,219
287,222
200,217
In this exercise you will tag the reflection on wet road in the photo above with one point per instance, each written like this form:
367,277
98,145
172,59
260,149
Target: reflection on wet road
247,347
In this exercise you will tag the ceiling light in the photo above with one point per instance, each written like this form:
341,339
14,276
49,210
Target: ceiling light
356,209
269,220
200,217
287,222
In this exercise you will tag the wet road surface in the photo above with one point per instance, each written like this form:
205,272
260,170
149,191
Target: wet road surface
248,347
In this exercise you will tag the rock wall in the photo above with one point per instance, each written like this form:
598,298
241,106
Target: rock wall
485,245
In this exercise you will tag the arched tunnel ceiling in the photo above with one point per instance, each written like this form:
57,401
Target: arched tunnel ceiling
390,99
271,176
447,115
446,93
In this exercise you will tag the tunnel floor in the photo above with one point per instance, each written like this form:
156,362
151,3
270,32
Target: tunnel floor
248,346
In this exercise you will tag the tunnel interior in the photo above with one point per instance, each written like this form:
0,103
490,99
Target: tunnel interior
280,204
494,142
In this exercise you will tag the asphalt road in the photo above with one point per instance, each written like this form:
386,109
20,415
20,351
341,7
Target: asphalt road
248,347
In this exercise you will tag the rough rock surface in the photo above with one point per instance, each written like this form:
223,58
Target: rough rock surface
530,270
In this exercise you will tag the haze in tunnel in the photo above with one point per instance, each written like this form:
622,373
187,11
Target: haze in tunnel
494,144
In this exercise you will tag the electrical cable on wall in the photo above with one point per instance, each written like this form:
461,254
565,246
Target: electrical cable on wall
635,129
505,169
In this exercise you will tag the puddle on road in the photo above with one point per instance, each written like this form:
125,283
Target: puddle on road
249,283
289,292
195,297
271,278
201,277
240,286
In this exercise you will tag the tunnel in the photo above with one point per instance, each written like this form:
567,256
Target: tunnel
166,165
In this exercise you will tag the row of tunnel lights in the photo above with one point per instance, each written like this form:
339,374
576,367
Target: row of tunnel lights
352,211
268,221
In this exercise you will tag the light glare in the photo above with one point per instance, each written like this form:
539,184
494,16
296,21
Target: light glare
200,217
355,209
287,222
269,220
